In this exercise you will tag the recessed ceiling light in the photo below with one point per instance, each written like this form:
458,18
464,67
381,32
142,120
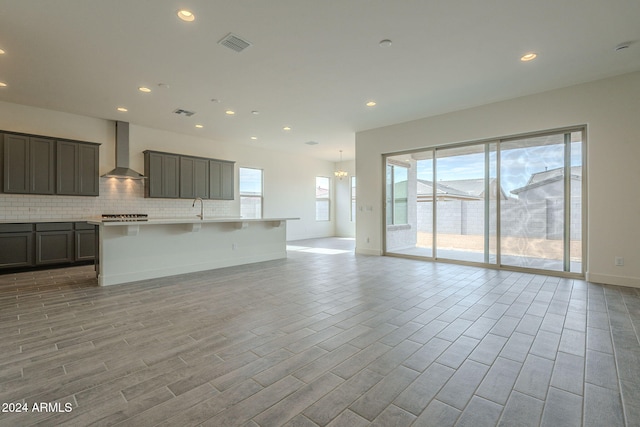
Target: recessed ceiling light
528,57
3,84
122,109
371,104
216,100
254,138
286,128
164,85
255,112
199,126
230,112
385,43
186,15
144,89
2,52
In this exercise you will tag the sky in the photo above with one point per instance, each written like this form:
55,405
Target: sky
250,180
517,165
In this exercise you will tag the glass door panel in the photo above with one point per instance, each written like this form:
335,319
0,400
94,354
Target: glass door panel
424,202
400,205
460,191
532,219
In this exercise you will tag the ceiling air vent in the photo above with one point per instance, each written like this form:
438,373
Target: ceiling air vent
182,112
234,43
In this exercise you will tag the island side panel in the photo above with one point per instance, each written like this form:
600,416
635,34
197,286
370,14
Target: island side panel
131,252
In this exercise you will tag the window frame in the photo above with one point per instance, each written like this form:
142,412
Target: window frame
352,192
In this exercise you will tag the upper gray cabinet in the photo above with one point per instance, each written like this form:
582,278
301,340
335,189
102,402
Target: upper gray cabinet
40,165
28,164
221,179
77,168
162,172
175,176
194,177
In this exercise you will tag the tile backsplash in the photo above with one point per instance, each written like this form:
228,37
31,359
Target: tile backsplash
116,196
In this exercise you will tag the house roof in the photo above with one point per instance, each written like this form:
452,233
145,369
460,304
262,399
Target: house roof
542,178
461,188
553,173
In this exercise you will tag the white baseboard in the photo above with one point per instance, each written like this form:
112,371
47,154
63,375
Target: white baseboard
363,251
606,279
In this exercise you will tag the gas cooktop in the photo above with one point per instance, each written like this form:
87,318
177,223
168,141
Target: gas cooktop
124,217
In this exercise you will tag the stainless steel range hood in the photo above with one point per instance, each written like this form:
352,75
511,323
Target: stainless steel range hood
122,169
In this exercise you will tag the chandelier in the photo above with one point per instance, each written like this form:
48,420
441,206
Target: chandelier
340,173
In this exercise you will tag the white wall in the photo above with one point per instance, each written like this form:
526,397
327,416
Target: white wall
289,180
608,107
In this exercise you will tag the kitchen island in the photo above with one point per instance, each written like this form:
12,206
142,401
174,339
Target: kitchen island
129,251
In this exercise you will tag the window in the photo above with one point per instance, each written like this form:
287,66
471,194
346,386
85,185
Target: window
397,188
353,199
250,193
323,204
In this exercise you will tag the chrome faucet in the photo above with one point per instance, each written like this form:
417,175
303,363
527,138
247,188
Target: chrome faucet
201,216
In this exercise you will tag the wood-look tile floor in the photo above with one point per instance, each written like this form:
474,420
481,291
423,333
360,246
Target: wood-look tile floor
324,337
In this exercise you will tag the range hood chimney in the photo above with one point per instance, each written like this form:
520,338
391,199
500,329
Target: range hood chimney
122,169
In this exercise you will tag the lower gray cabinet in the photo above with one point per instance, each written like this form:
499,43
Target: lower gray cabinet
85,242
24,245
54,243
16,245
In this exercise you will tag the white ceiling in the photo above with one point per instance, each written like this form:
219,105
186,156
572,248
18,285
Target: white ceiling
313,63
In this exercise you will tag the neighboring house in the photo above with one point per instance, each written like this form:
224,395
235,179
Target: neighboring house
549,184
461,189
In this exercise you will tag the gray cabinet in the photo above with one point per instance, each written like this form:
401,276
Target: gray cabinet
221,179
39,165
54,243
47,243
162,172
85,241
77,169
175,176
194,177
16,245
28,164
88,169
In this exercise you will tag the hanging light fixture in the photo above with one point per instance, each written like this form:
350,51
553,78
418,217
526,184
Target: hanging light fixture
340,173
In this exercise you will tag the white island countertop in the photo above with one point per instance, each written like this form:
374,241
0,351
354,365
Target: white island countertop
186,220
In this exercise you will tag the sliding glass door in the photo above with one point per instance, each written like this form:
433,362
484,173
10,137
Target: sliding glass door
514,202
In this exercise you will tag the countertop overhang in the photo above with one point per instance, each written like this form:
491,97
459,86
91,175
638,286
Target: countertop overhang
168,221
